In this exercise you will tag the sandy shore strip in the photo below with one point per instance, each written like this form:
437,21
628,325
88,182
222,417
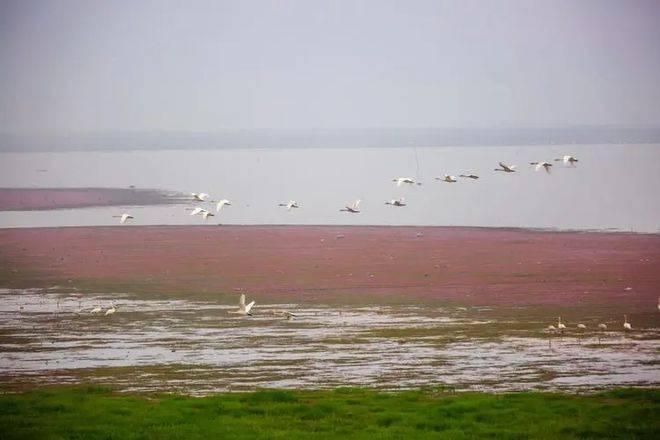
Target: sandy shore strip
28,199
479,266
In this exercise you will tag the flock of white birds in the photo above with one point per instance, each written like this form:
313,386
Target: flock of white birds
354,207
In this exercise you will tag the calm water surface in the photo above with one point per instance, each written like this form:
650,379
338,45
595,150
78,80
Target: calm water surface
612,186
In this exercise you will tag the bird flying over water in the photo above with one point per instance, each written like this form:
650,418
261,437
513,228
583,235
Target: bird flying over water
200,197
123,218
396,202
447,178
401,180
354,207
539,165
506,168
242,308
291,204
568,160
222,203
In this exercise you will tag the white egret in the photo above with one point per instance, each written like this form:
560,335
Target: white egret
242,308
354,207
506,168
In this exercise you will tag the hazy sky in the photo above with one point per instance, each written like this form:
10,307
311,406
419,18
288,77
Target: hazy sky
80,65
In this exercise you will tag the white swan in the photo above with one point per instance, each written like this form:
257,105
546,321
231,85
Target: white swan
221,203
506,168
290,205
197,210
111,310
560,326
447,178
123,218
401,180
581,326
354,207
602,326
242,308
200,197
96,310
539,165
626,324
396,202
568,160
206,214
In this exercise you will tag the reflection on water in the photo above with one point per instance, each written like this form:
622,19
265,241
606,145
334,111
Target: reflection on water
197,347
612,186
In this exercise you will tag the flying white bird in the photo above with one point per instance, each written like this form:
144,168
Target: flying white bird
242,308
401,180
447,178
396,202
469,176
96,310
111,310
539,165
626,324
291,204
506,168
568,160
200,197
123,218
222,203
354,208
197,210
206,214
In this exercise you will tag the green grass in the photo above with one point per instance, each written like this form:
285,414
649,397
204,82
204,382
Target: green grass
99,413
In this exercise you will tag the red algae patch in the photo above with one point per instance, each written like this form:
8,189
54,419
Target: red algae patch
477,266
27,199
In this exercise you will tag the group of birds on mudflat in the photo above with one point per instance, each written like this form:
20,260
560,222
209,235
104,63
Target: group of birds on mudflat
582,327
354,207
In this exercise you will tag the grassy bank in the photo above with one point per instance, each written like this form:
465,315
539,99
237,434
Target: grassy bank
92,412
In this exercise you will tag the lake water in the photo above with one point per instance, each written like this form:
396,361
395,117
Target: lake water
612,186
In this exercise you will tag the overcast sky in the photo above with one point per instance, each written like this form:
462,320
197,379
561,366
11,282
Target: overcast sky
80,65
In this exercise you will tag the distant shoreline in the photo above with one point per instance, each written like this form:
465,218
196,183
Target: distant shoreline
33,199
329,138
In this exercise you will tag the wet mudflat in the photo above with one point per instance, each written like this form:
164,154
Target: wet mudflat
197,347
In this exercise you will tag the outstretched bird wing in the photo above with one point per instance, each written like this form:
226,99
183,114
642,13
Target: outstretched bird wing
249,307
